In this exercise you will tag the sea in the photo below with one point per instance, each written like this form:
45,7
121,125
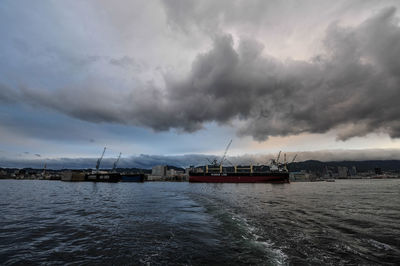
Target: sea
347,222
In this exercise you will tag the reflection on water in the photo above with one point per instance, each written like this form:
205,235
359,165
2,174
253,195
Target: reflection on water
345,222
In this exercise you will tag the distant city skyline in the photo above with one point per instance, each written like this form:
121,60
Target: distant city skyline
182,78
146,161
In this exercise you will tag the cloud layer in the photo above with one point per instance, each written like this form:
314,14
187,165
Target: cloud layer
353,86
148,161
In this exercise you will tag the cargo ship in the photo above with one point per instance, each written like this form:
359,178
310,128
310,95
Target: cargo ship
94,176
214,172
73,176
240,174
103,177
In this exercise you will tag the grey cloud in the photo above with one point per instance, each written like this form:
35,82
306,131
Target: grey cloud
7,94
189,15
353,87
208,15
277,18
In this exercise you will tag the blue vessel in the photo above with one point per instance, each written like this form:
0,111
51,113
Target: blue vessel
132,177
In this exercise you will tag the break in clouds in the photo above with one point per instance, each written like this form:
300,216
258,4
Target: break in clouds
352,87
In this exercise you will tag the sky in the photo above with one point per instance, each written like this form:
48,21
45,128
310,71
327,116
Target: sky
174,81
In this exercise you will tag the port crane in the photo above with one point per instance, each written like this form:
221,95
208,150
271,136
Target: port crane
44,169
116,162
294,158
275,165
99,161
279,155
285,163
215,161
226,151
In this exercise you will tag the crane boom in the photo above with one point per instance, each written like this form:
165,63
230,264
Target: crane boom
226,151
99,160
44,169
116,162
294,158
279,155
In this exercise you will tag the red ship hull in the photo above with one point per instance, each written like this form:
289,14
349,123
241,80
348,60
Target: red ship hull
239,178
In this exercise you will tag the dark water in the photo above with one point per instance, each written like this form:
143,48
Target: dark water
340,223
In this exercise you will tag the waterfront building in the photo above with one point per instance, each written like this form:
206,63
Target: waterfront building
159,170
342,172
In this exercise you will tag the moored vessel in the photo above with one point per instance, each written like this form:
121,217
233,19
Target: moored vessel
132,177
216,173
103,177
239,177
240,174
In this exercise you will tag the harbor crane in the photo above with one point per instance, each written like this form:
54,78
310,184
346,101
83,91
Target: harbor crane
285,162
99,161
294,158
226,151
277,166
44,169
116,162
279,155
215,161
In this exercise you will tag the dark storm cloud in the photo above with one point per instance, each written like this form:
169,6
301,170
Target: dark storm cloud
353,87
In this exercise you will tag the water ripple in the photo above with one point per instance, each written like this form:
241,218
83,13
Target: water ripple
57,223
